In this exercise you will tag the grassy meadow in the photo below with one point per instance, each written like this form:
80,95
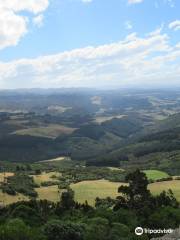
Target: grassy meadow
155,174
54,159
89,190
8,199
45,177
158,187
50,193
50,131
101,119
5,175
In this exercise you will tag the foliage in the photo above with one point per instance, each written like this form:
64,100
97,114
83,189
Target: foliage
74,175
16,229
57,230
21,183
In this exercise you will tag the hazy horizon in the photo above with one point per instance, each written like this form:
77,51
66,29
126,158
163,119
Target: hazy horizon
169,87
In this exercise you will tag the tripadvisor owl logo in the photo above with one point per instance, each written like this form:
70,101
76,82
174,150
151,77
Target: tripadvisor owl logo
139,231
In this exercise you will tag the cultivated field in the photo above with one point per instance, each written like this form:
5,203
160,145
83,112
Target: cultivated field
102,119
55,159
158,187
116,169
89,190
50,131
8,199
155,174
45,177
5,175
50,193
58,109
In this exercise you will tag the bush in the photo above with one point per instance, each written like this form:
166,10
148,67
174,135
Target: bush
8,189
164,179
119,230
98,229
49,183
165,217
21,183
27,214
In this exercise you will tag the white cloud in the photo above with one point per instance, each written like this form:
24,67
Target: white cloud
128,25
34,6
38,20
175,25
13,26
86,1
135,60
134,1
171,3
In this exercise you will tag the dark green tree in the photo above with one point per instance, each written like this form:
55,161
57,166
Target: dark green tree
29,215
98,229
57,230
16,229
136,194
67,199
166,199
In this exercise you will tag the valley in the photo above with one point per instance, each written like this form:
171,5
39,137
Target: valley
84,146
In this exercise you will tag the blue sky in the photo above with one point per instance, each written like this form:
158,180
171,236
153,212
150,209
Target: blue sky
76,43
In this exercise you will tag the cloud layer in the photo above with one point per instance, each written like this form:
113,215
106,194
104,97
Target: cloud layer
13,26
135,60
134,1
148,60
175,25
